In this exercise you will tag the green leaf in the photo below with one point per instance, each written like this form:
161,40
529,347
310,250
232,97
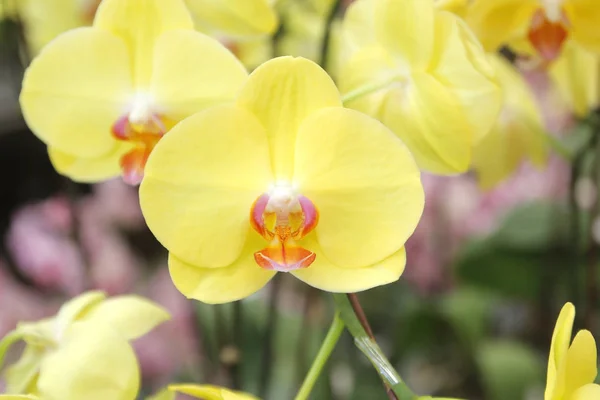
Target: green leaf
508,369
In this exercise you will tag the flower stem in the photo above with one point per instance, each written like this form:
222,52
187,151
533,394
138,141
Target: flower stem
324,51
269,336
335,331
354,318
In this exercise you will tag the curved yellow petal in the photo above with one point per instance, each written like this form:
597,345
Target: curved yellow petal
236,17
406,28
325,275
561,338
191,72
94,363
131,316
139,23
587,392
576,74
164,394
500,21
463,66
281,93
201,181
75,90
89,170
517,135
21,377
581,362
371,65
233,282
209,392
583,16
359,23
76,308
365,214
431,121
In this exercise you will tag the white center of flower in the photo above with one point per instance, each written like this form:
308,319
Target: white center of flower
141,109
553,9
283,198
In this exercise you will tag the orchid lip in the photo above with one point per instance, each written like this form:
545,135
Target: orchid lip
282,216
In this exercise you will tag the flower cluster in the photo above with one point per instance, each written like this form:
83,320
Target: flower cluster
282,169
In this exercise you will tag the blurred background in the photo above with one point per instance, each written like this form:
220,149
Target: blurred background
471,317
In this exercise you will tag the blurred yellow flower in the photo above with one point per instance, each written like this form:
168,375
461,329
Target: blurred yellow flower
536,26
102,97
9,8
458,7
517,135
236,18
430,81
204,392
17,397
572,368
287,180
576,74
83,352
46,19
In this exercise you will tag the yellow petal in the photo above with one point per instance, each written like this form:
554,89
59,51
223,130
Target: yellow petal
201,181
76,308
558,351
576,74
164,394
430,119
587,392
500,21
282,93
21,376
359,23
192,72
463,66
325,275
581,362
236,17
406,28
583,17
75,90
94,363
517,135
17,397
89,170
366,214
369,66
131,316
222,285
140,23
208,392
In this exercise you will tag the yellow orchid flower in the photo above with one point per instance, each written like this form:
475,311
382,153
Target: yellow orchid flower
517,135
536,26
458,7
576,74
430,82
572,368
46,19
285,179
102,97
204,392
236,18
83,352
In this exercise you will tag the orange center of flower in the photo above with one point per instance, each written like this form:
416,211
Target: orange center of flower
547,32
282,217
143,130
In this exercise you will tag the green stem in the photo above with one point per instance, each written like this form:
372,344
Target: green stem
368,346
558,147
367,89
335,331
